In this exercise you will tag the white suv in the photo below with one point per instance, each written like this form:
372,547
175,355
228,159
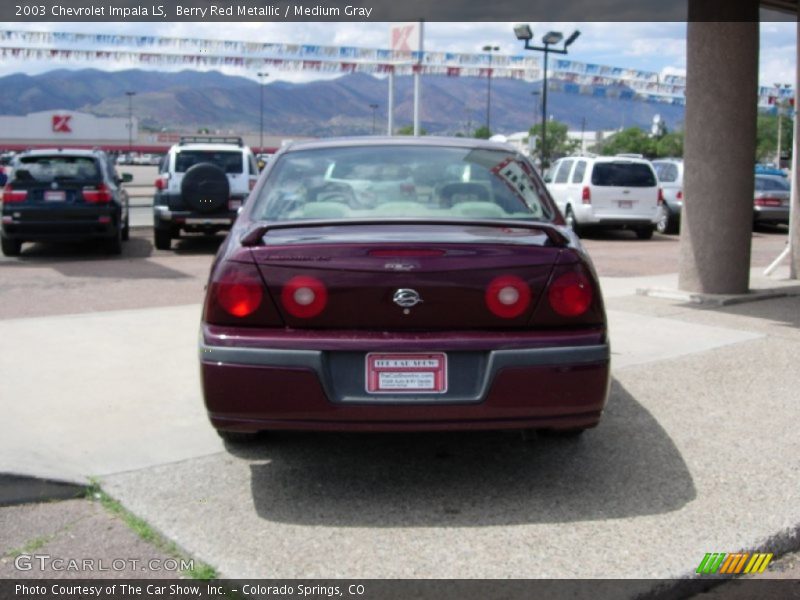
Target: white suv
619,192
202,183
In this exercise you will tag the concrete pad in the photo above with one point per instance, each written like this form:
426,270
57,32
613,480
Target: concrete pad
101,393
639,339
698,455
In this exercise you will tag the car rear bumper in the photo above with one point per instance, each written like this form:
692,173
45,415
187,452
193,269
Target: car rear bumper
587,216
186,218
769,214
255,388
36,225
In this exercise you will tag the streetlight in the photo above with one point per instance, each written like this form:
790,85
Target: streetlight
489,49
523,32
374,107
261,77
130,124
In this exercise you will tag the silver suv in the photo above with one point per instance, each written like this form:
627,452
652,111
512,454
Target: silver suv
202,183
613,192
670,175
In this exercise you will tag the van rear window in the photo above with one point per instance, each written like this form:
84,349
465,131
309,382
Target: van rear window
623,174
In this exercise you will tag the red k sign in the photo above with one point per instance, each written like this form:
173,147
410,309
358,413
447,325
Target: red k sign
61,123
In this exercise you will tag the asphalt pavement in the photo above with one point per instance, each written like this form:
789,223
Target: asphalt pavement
697,453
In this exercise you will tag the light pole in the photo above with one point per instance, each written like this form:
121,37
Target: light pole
130,96
374,107
524,33
779,104
261,76
489,49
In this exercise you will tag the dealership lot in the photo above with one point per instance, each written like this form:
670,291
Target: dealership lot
697,452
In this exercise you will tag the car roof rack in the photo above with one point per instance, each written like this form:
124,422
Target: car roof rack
211,139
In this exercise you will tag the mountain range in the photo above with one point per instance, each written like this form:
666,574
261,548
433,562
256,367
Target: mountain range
209,99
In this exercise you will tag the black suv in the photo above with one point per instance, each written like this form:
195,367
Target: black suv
202,183
64,194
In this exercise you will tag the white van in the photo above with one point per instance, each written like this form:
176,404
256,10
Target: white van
614,192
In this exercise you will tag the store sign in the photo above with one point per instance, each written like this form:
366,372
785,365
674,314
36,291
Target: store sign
61,123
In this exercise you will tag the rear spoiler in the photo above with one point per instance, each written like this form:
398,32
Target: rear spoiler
253,237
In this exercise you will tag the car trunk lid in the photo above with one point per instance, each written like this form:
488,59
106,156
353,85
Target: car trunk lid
392,277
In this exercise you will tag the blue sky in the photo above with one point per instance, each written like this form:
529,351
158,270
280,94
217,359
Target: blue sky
659,47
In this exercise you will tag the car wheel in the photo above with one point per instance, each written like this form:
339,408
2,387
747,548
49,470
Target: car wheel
562,433
238,437
205,188
666,222
569,217
163,238
644,233
126,228
11,247
113,245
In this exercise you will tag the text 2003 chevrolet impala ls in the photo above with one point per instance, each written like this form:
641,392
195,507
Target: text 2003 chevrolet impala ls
402,284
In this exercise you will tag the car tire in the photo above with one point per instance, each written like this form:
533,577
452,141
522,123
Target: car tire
162,238
238,437
113,245
126,228
666,221
572,433
572,223
644,233
205,188
11,247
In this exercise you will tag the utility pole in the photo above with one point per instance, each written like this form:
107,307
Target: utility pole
130,124
261,77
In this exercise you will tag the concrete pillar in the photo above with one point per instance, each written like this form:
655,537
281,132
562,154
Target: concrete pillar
719,151
794,227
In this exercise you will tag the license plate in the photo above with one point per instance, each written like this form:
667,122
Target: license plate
55,196
626,203
406,373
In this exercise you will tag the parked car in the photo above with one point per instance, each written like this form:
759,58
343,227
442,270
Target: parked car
202,182
770,170
670,176
771,204
402,284
612,192
64,194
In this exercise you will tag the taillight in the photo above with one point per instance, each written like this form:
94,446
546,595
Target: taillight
237,296
660,200
97,195
11,195
161,183
679,195
508,296
304,297
586,195
767,201
253,184
570,295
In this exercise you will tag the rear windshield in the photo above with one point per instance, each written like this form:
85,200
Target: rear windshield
401,181
768,184
46,169
623,174
230,162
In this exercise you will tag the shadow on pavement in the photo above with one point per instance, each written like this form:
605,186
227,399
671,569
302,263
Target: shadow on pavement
197,244
626,467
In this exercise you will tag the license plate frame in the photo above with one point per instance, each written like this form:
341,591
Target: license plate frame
55,196
406,373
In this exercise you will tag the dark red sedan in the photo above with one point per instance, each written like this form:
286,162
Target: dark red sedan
402,284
